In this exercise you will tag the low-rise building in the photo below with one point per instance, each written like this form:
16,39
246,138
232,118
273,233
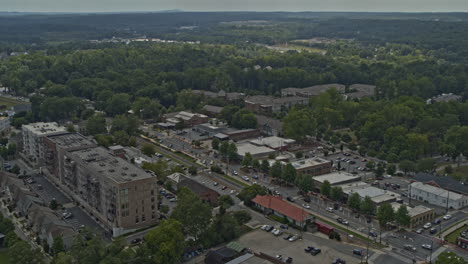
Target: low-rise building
312,166
313,90
419,214
187,118
276,143
257,152
212,110
269,126
4,124
274,205
206,194
33,135
268,104
336,178
450,97
378,196
437,196
242,134
359,91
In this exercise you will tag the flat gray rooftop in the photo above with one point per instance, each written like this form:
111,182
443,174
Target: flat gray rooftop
105,164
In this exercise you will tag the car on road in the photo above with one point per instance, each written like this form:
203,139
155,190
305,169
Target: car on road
245,178
409,247
136,241
289,198
427,225
433,231
215,183
235,172
306,206
344,222
447,217
419,231
224,188
357,252
315,251
329,209
293,238
373,234
339,261
426,246
437,221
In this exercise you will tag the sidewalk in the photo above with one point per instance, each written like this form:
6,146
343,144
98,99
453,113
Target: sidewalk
454,227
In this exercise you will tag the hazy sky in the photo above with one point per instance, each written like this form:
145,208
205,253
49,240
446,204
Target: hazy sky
235,5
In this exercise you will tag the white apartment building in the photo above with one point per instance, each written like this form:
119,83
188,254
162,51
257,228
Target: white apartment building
437,196
33,135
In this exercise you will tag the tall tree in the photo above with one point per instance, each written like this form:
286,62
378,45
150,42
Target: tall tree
325,189
192,213
368,206
166,243
289,173
402,217
336,193
385,214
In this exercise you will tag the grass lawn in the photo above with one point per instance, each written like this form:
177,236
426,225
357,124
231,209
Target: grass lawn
9,103
452,237
4,259
461,172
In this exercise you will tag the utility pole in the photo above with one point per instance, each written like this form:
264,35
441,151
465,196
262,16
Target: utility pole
432,245
448,197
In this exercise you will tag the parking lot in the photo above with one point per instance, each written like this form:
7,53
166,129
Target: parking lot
330,249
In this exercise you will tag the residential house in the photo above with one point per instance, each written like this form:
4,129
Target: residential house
274,205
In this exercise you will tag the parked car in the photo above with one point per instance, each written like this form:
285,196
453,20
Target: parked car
426,246
277,232
427,225
289,260
255,177
215,183
287,237
419,231
245,178
339,261
268,228
307,199
373,234
289,198
308,249
67,215
410,247
224,188
293,238
447,217
235,172
329,209
357,252
306,206
437,221
284,226
433,231
315,251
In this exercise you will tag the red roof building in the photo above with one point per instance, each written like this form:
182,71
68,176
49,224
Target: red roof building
277,206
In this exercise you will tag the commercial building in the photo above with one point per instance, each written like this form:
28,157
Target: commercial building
276,143
33,135
447,183
187,118
268,104
228,96
273,205
419,214
462,240
437,196
237,135
312,166
206,194
378,196
336,178
121,195
257,152
312,91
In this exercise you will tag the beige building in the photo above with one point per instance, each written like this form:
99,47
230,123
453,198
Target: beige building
121,195
419,214
312,166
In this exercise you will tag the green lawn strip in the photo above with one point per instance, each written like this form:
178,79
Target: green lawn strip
185,156
452,237
4,258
